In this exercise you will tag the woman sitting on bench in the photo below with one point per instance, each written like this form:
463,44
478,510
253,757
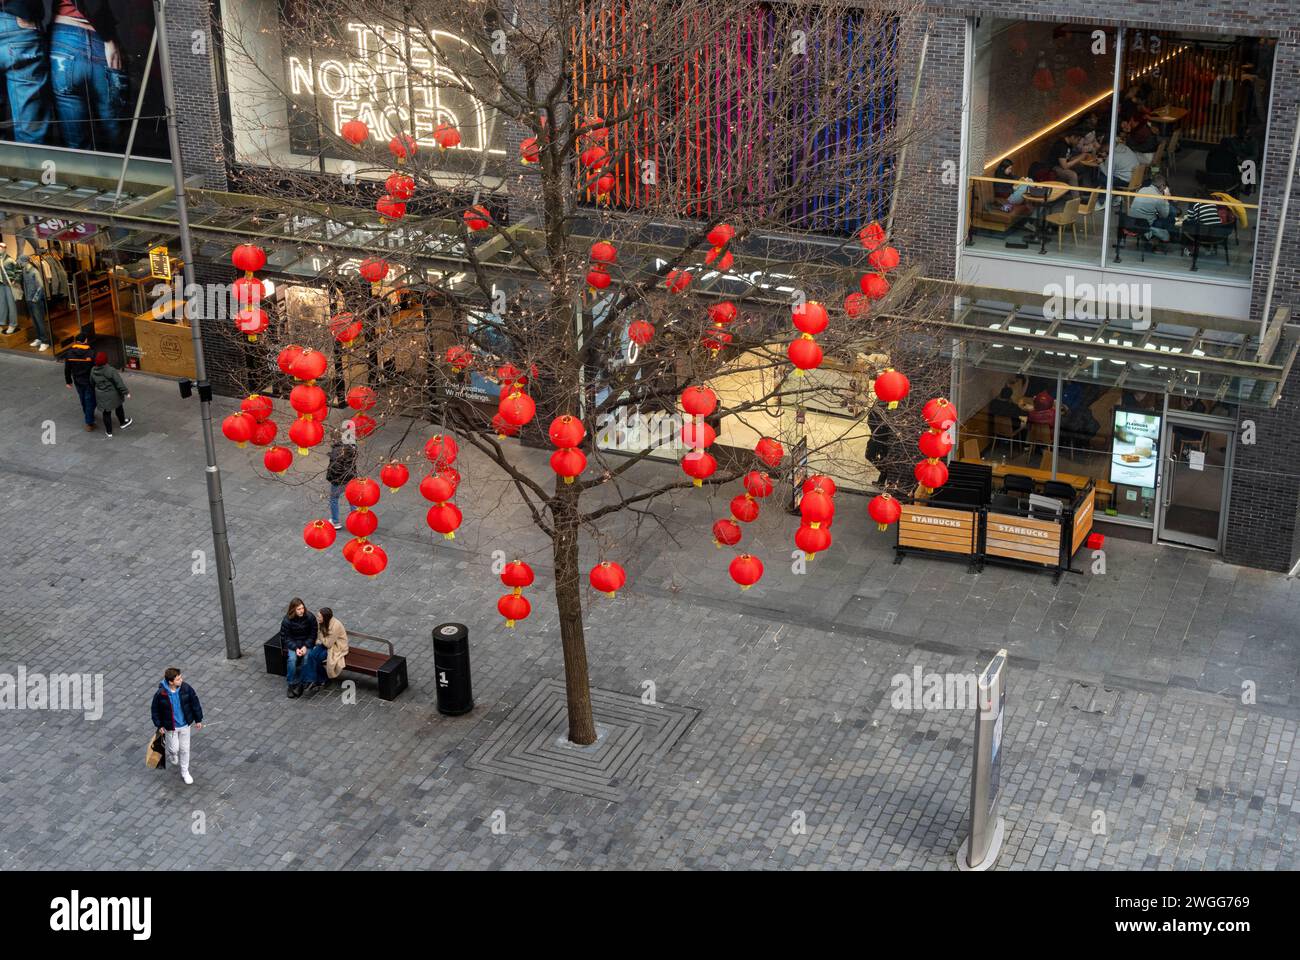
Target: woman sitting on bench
335,641
298,631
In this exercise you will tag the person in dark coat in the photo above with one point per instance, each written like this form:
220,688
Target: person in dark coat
78,362
299,631
342,468
110,393
176,711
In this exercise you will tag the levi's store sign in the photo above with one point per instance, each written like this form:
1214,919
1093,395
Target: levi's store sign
395,81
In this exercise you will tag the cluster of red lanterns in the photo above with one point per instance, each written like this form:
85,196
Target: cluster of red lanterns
810,318
603,256
699,402
817,510
514,605
882,258
247,291
567,433
440,485
716,336
747,569
368,559
935,443
516,407
593,156
308,400
890,388
719,256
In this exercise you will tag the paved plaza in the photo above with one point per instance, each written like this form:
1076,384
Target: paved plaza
1127,742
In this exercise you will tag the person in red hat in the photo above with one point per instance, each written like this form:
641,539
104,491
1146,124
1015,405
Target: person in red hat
110,393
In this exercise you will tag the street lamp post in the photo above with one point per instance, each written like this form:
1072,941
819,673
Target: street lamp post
216,507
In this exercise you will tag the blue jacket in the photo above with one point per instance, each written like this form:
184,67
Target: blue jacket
298,632
161,708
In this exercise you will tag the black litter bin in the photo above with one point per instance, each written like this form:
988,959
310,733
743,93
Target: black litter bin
451,669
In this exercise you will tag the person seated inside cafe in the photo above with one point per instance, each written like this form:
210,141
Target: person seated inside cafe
1123,162
1203,218
1041,420
1004,405
1141,138
1007,197
1067,160
1152,206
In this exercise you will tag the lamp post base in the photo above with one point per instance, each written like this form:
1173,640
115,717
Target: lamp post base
995,847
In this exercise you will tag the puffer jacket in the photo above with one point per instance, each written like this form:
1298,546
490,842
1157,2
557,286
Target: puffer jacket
298,632
110,388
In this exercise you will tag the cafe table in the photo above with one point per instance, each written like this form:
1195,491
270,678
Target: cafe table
1056,191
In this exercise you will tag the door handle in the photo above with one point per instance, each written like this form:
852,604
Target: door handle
1169,481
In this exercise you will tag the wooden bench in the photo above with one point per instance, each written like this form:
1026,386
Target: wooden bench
388,668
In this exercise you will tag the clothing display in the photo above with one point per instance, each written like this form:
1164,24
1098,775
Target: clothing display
10,273
34,295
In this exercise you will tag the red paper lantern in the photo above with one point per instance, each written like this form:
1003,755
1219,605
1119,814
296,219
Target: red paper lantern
309,364
677,280
891,387
721,234
345,327
605,185
362,425
287,358
248,257
640,332
744,508
510,375
502,428
757,484
402,147
699,466
257,406
247,291
746,570
400,186
856,305
352,548
805,354
373,269
568,463
816,508
1043,79
697,434
529,151
394,476
361,398
874,285
871,236
370,560
935,444
444,518
355,132
319,534
810,318
603,252
885,510
598,278
769,451
458,357
441,450
812,540
238,428
723,313
251,321
884,259
307,399
567,431
699,401
514,607
362,493
477,218
452,474
715,339
518,575
592,157
264,432
726,532
446,136
390,208
437,487
517,409
305,433
930,474
819,481
939,413
277,460
724,259
608,577
362,523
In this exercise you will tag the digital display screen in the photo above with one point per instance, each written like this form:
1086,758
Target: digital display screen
1135,448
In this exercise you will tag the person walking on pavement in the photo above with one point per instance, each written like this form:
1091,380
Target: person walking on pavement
342,468
110,393
298,633
176,712
77,365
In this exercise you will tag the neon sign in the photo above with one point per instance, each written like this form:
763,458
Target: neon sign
396,82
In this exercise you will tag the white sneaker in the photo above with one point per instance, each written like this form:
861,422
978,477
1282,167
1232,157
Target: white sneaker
34,343
129,421
109,435
336,525
187,778
11,330
43,347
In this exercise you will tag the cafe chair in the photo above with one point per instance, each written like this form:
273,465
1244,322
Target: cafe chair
1132,227
1067,216
1059,489
1003,502
1240,218
1207,235
1017,483
1003,430
1087,208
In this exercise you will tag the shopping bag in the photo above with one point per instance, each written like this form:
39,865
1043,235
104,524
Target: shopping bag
155,755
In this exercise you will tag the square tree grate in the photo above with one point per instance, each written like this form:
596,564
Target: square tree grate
532,743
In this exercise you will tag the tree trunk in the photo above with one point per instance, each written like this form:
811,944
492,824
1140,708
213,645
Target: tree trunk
568,599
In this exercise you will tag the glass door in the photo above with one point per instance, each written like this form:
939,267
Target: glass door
1197,459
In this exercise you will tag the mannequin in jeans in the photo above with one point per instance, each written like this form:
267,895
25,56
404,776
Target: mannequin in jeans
90,87
9,272
34,296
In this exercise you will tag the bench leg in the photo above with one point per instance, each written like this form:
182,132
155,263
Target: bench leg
392,678
275,658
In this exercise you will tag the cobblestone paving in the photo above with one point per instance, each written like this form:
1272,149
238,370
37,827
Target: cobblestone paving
1127,745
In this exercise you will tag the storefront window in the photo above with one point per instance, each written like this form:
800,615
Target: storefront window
1156,170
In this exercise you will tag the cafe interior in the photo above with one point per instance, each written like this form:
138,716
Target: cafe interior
1181,117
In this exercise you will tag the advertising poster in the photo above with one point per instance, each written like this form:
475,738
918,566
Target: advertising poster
1135,448
72,72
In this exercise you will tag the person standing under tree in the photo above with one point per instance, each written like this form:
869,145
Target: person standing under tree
176,711
342,468
110,393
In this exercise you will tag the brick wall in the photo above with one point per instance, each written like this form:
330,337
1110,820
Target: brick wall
189,36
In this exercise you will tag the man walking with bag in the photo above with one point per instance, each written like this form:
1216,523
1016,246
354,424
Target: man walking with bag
176,711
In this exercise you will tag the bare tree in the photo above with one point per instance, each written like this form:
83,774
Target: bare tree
726,155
